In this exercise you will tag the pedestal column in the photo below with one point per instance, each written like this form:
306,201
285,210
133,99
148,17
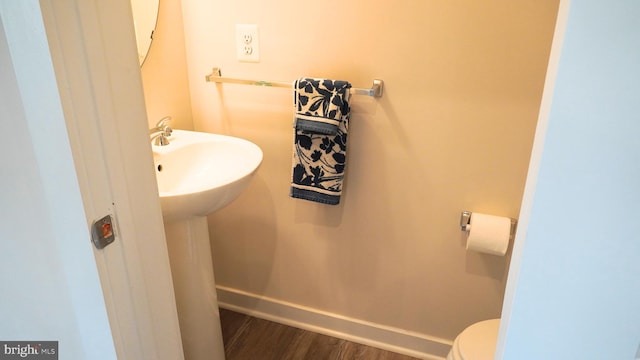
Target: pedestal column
194,284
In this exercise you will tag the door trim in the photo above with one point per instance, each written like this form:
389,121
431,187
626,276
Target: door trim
92,44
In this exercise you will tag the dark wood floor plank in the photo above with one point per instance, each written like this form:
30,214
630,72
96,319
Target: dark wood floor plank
355,351
323,347
232,322
351,350
262,340
250,338
300,345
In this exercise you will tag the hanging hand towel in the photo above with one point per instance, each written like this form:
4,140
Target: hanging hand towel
320,144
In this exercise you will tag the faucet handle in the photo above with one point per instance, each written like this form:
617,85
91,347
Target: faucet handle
163,122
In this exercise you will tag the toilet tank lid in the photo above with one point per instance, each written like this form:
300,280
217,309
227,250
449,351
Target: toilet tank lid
478,341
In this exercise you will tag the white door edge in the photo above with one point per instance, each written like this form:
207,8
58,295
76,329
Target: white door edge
92,43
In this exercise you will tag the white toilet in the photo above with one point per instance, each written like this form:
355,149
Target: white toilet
476,342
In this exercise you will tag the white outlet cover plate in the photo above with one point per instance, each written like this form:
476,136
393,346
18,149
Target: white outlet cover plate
247,43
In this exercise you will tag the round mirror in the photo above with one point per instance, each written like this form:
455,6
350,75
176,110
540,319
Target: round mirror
145,15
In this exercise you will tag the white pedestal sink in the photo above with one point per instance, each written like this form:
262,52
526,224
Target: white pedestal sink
199,173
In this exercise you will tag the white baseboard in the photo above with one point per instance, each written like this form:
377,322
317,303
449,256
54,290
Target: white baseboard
363,332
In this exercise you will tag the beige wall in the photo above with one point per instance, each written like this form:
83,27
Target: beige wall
463,81
164,72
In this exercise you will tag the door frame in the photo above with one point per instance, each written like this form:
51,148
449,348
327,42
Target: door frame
92,45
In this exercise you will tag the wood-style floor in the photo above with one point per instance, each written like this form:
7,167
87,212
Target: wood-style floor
250,338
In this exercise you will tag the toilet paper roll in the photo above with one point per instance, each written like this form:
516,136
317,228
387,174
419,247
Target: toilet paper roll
489,234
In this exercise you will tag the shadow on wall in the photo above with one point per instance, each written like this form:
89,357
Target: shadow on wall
361,131
487,265
307,212
243,239
347,242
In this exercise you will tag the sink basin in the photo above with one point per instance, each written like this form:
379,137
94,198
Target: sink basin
199,173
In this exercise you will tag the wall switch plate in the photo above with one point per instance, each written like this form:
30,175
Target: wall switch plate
247,43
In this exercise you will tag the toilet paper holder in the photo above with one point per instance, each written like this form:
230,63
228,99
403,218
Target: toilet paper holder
465,222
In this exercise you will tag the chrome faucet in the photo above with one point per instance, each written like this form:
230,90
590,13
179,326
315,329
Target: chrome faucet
159,134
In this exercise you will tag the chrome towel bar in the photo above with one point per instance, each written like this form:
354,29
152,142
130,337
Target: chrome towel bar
216,76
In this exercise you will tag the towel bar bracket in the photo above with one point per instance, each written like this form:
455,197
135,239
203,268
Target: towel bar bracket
216,76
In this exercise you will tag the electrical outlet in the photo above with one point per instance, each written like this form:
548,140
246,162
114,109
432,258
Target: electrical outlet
247,43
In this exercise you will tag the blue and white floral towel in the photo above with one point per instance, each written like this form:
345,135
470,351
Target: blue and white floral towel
320,147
